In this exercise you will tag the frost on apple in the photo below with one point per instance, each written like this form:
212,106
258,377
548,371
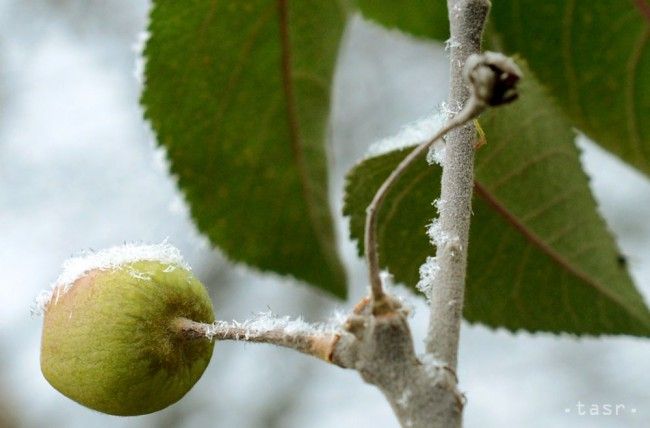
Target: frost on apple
117,309
110,258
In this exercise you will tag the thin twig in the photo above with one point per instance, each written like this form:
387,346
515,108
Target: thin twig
492,78
472,110
312,342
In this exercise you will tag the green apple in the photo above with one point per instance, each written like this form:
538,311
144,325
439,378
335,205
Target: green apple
109,343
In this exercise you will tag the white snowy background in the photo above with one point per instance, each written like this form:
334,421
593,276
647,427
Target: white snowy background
79,170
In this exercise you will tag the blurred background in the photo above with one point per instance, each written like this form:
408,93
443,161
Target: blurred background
79,170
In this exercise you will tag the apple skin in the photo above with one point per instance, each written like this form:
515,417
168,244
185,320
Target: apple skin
108,341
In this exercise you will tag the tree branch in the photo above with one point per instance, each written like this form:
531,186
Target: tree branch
492,80
293,334
467,19
423,393
376,340
380,348
372,258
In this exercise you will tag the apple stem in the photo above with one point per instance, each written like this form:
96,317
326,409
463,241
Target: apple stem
308,339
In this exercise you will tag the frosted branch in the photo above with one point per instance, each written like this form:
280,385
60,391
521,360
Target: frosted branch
310,339
492,78
487,79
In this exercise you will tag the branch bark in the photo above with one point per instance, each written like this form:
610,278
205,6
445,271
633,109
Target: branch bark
423,392
370,234
308,339
467,19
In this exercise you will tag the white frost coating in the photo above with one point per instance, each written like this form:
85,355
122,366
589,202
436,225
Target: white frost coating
440,238
428,271
439,204
436,154
137,275
265,322
109,258
450,44
337,318
140,61
412,134
437,236
447,111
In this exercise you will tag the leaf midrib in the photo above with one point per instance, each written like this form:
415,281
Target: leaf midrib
294,126
531,237
644,8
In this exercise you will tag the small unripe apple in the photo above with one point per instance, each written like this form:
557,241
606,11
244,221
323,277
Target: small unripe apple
109,342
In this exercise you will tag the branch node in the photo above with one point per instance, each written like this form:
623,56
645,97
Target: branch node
356,324
360,307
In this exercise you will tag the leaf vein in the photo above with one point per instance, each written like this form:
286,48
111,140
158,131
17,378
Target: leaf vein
553,254
569,71
524,166
503,143
632,64
564,290
531,215
294,126
238,67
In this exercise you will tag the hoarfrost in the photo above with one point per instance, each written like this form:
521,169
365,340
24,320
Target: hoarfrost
437,236
439,204
337,318
428,272
138,275
75,267
436,154
264,322
440,238
448,111
412,134
450,44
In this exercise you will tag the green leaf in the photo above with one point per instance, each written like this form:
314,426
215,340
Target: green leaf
540,256
595,58
423,18
238,95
